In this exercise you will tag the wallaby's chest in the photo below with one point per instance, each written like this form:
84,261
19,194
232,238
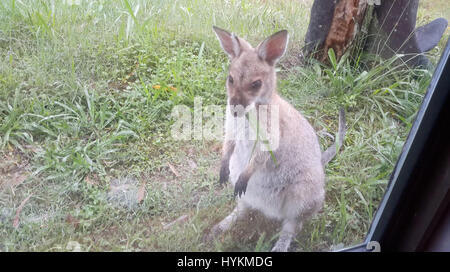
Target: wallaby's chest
242,154
240,158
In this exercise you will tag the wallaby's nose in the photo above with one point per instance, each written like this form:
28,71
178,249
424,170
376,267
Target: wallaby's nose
234,101
237,108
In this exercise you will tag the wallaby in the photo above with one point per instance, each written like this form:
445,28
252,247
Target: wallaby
286,183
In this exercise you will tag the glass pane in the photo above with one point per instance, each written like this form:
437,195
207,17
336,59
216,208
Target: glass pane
112,121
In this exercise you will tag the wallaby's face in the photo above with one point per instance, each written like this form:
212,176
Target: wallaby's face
251,79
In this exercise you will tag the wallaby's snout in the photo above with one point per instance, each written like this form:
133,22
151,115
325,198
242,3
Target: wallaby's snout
251,78
237,106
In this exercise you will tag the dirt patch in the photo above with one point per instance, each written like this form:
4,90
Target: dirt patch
14,170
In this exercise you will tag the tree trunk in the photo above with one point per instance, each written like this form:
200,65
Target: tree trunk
384,28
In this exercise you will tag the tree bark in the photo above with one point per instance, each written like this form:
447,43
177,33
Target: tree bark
381,27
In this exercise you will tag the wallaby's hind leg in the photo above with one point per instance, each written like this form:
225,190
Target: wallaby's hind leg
238,213
288,230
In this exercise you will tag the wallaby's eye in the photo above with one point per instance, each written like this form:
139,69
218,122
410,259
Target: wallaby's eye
256,84
230,79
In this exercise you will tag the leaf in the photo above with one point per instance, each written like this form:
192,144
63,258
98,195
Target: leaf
179,219
89,181
174,171
363,76
18,178
72,221
202,47
19,209
141,192
332,57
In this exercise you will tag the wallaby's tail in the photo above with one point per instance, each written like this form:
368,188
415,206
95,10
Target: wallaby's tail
329,154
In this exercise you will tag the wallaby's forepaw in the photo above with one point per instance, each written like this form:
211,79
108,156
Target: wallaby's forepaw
240,187
224,174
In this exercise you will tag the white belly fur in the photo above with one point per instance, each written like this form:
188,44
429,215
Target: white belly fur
261,193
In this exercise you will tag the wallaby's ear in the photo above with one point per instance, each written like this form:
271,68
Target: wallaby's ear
273,48
228,41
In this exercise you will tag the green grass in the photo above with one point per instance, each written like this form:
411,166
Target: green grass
86,93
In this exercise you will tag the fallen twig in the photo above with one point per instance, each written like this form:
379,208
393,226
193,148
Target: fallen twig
179,219
174,171
19,209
